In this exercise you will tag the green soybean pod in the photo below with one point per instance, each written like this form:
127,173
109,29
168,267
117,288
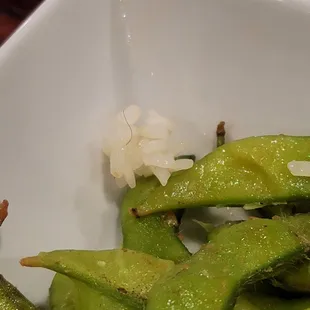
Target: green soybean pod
122,274
70,294
11,298
244,171
236,256
155,234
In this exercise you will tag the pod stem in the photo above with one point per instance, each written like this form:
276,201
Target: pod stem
220,134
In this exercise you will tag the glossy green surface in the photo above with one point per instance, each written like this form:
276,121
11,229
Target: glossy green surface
68,294
244,171
152,234
295,279
237,255
62,293
122,274
299,224
264,302
11,298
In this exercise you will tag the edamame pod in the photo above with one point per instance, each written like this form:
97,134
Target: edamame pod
154,234
237,255
121,274
11,298
138,234
299,224
295,279
212,230
245,171
62,293
69,294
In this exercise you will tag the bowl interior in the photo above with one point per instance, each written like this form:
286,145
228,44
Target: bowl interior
74,64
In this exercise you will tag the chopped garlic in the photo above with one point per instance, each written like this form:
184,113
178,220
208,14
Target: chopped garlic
182,164
151,146
299,168
161,160
162,174
155,131
130,115
143,150
155,118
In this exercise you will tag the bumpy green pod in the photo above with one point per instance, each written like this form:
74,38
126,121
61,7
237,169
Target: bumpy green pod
295,279
91,299
154,234
69,294
212,230
11,298
237,255
299,224
62,293
122,274
254,301
245,171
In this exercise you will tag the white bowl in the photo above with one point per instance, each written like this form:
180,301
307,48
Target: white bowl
73,64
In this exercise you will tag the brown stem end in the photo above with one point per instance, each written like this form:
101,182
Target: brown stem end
134,212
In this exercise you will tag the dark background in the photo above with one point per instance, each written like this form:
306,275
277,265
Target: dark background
12,13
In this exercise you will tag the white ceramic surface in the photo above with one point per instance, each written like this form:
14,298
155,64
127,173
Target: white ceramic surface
74,63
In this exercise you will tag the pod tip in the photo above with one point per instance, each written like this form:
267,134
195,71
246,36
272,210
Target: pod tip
32,261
